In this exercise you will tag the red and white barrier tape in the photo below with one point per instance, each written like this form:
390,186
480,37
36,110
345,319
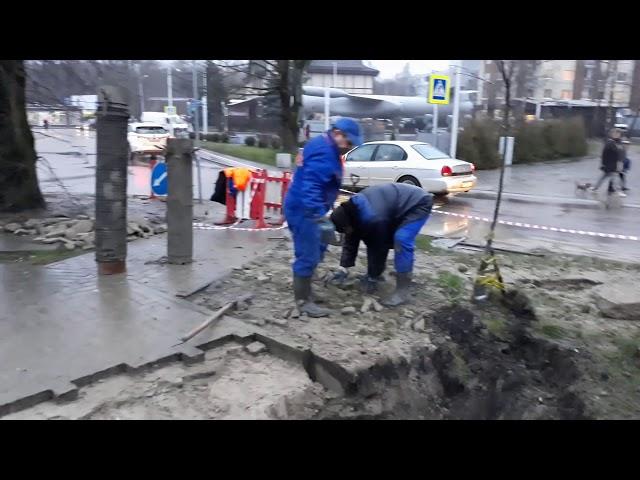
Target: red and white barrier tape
543,227
208,226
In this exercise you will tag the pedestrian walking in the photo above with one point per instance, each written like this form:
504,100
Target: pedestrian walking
612,159
626,164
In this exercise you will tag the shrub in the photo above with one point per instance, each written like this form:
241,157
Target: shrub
478,144
576,133
275,143
263,143
531,143
250,141
550,140
224,138
213,137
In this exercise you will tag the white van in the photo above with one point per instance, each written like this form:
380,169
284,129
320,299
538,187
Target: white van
172,123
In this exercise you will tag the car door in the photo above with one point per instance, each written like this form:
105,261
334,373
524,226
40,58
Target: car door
356,167
387,163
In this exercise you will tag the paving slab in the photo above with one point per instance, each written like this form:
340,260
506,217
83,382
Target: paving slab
62,324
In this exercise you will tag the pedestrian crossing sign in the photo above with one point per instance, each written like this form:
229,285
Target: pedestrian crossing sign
439,89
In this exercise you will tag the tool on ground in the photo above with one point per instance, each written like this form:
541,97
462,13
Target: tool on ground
214,317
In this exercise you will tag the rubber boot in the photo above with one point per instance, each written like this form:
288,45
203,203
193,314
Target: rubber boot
369,285
401,295
302,293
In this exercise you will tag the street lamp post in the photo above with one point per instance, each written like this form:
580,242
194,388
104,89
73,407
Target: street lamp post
169,87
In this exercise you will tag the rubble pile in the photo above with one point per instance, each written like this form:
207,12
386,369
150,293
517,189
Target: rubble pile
78,232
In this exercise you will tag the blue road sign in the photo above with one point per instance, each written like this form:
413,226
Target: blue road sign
439,89
159,179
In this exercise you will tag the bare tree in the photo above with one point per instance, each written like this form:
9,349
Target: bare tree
634,101
279,80
19,188
578,79
506,69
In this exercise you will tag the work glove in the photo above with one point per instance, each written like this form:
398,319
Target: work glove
327,231
339,277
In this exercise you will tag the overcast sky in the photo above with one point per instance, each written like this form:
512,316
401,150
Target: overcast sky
389,68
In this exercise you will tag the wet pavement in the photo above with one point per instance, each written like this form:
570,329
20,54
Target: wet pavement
543,195
61,323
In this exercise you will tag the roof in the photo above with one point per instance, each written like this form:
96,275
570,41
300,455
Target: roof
146,124
350,67
406,143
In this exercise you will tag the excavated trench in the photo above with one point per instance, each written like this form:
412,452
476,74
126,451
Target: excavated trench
470,374
465,372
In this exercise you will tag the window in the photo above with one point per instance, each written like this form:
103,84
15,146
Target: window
568,75
429,152
566,94
150,130
622,76
547,93
361,154
390,153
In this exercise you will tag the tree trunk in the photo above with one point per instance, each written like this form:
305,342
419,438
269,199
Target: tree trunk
634,101
19,189
290,73
578,80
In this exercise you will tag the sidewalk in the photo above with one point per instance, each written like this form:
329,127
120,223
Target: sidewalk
550,182
60,324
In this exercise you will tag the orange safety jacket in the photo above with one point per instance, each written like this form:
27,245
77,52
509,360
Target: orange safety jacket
240,177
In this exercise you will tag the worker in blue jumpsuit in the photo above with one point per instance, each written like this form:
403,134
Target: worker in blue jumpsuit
312,193
383,216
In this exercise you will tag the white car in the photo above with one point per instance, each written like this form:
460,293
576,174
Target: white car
415,163
146,138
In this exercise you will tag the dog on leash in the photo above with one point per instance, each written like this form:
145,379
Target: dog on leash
583,187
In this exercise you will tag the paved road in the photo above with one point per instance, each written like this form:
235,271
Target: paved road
544,201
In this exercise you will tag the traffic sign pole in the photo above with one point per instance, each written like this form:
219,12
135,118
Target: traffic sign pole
435,124
456,115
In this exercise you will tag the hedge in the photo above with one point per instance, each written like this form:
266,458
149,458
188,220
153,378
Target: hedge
534,141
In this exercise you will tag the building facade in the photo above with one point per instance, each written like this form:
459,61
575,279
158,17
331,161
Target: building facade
593,80
353,76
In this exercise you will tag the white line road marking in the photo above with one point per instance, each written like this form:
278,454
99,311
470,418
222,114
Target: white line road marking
544,227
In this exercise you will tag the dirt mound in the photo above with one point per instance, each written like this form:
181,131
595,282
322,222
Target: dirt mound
517,376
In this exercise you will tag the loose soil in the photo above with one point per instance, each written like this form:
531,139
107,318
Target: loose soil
543,351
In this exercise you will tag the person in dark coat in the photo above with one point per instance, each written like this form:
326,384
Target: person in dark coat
382,216
612,156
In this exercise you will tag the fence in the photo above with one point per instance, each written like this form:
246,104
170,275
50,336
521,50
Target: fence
266,196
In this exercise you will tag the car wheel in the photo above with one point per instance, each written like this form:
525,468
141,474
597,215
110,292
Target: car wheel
409,180
441,194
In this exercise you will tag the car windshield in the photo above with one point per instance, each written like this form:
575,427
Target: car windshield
150,130
429,152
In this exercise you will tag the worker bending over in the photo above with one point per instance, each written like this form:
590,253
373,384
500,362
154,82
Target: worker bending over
383,217
312,193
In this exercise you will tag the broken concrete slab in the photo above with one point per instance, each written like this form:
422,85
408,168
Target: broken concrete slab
618,301
254,348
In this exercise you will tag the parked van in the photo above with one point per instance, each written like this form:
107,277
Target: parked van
172,123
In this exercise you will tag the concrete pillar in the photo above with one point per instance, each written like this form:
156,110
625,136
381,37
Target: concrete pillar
111,180
180,201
